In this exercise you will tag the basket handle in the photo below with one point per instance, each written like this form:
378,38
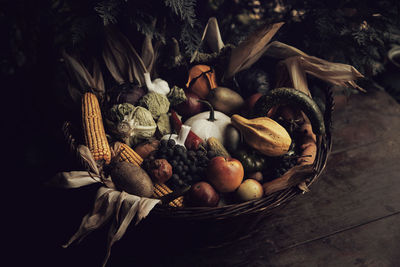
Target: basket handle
329,107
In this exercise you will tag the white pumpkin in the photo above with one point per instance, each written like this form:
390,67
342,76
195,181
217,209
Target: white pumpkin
209,124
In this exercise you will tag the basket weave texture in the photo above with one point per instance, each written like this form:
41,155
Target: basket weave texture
226,223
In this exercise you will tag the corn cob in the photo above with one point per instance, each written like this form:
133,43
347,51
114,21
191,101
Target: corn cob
93,128
162,190
126,153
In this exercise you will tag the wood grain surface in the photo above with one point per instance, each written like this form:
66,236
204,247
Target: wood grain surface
351,216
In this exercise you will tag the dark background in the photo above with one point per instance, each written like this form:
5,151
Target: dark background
35,105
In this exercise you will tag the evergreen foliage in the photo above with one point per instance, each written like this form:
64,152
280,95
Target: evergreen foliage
355,32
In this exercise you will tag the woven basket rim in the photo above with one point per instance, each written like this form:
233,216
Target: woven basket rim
264,204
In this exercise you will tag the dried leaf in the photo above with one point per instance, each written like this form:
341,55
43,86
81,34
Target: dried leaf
98,78
212,36
178,58
303,187
78,72
291,74
308,144
293,177
115,62
121,58
75,94
80,76
126,208
251,49
103,209
87,156
280,50
123,206
74,179
147,54
298,63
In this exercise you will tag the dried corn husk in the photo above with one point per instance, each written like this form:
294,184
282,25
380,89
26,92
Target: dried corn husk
81,79
295,176
251,49
121,58
109,204
212,36
296,64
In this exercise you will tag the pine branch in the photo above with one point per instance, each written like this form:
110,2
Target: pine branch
143,22
109,10
190,37
185,9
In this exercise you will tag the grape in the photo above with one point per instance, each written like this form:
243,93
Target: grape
286,164
181,163
211,154
170,152
200,153
180,149
203,159
184,155
186,161
179,169
171,143
180,182
185,168
189,178
192,169
175,177
174,163
163,143
196,177
191,153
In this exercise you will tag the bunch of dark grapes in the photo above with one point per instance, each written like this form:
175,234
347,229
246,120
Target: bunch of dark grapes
188,166
279,166
284,165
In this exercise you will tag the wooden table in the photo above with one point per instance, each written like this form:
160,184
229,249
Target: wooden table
351,216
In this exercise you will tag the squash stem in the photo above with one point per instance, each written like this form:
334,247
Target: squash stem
210,107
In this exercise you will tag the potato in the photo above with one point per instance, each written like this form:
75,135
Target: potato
250,189
132,179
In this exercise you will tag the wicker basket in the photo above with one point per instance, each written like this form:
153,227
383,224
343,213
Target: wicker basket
212,227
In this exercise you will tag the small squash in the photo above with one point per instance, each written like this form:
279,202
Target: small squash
263,134
201,80
209,124
217,147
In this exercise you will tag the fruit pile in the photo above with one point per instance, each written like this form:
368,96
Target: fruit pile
226,145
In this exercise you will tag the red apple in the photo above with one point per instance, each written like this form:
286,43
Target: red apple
202,194
225,174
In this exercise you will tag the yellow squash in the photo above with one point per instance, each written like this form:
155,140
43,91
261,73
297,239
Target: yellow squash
263,134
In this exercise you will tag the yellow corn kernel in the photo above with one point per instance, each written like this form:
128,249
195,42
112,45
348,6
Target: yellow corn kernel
162,190
93,128
126,153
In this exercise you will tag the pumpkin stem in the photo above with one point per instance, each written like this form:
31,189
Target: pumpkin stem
210,107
